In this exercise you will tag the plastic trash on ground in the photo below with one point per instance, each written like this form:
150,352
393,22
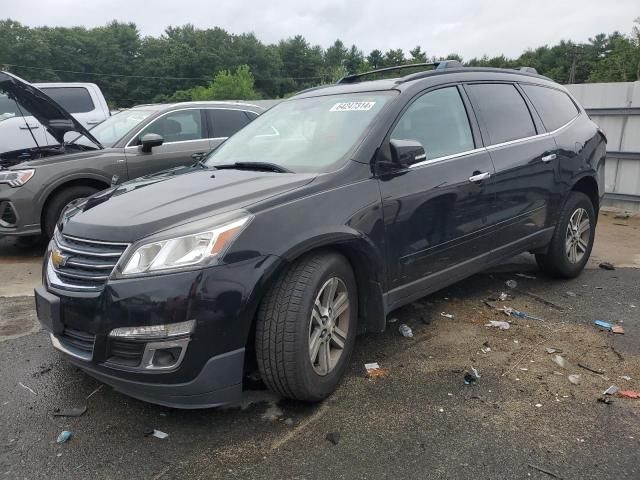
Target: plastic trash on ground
612,390
603,324
560,361
575,379
64,436
405,330
497,324
629,394
511,312
447,315
511,283
376,371
159,434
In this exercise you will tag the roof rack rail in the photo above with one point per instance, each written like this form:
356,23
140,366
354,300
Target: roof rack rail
441,65
527,69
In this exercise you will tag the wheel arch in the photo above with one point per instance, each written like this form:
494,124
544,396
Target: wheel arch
589,186
83,181
365,262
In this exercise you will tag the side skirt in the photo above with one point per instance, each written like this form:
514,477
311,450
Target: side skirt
410,292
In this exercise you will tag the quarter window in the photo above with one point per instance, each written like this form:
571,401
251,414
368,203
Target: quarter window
555,107
439,121
503,111
72,99
226,122
177,126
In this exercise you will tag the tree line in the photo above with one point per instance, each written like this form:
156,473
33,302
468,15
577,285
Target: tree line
188,63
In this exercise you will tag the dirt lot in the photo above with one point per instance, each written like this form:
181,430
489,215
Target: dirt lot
521,418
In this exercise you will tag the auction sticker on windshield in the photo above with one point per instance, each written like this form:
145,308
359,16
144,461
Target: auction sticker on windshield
352,106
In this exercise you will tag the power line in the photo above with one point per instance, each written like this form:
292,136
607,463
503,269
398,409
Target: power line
149,76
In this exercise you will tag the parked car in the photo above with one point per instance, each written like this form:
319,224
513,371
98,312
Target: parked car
21,131
135,142
311,224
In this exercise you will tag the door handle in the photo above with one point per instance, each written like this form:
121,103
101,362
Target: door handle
548,158
93,122
479,177
28,126
198,155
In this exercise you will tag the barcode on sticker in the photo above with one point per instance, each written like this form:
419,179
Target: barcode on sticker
352,106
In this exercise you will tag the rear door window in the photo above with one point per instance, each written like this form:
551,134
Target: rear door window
72,99
554,106
226,122
503,111
438,120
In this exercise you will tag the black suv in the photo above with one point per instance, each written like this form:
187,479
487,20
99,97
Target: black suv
312,223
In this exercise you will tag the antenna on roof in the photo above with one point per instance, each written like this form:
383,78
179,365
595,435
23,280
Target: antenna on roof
528,69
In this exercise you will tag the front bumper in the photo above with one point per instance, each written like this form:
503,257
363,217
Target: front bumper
221,299
19,214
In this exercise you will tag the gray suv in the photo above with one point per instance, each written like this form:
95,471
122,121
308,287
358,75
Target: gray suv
38,184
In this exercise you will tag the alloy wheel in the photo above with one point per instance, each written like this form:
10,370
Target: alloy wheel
329,326
578,235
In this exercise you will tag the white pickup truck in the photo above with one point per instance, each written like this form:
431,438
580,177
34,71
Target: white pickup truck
83,100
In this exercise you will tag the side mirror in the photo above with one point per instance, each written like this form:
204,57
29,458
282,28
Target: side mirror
150,140
406,152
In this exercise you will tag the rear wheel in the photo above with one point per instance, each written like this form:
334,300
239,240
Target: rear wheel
572,240
306,327
61,201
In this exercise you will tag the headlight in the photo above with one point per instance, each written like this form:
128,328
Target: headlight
16,178
186,251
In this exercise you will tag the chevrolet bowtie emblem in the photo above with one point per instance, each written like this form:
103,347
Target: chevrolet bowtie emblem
58,259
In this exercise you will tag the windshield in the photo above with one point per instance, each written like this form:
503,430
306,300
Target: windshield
305,135
115,127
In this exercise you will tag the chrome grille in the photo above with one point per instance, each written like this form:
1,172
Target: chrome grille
85,265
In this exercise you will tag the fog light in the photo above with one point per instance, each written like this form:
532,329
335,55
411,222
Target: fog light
168,330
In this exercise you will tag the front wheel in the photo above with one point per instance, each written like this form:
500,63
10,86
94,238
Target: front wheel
306,327
572,240
61,202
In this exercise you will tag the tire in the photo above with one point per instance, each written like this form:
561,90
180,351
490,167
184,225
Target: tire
559,261
59,201
285,328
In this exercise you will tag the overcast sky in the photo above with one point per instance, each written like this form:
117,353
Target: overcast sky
468,27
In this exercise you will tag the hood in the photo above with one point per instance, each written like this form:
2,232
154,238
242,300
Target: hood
149,205
52,116
50,155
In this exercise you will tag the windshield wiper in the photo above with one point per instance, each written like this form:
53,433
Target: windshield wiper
260,166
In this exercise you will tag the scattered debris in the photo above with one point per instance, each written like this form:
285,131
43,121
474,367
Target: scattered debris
622,216
27,388
553,350
605,399
333,437
447,315
405,330
95,391
524,275
629,394
159,434
603,324
503,296
500,325
475,372
538,405
70,412
392,320
625,377
64,436
591,369
575,379
441,410
511,312
617,329
607,266
613,389
469,379
570,294
511,283
540,469
560,361
485,349
375,371
555,372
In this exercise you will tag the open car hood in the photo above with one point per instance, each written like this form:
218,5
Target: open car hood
52,116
